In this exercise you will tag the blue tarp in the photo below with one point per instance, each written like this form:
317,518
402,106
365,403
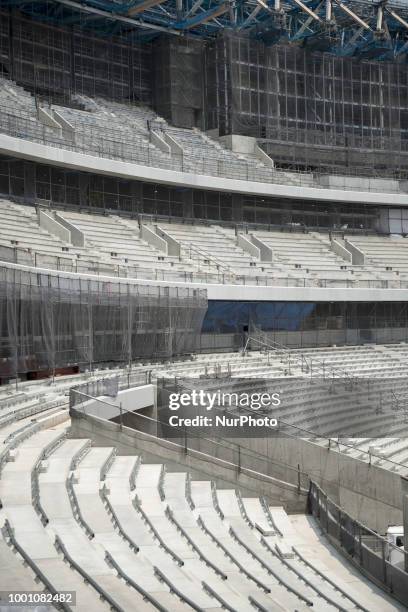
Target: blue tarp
225,316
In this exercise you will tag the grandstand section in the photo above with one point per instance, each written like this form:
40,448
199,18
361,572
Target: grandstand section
204,305
144,536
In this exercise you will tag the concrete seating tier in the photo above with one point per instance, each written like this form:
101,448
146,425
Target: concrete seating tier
127,534
122,131
312,407
384,251
209,254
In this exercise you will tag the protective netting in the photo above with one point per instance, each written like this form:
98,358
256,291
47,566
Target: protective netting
50,321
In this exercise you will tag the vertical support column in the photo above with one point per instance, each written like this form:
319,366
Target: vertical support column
72,84
404,488
29,182
136,190
237,207
84,189
11,43
187,199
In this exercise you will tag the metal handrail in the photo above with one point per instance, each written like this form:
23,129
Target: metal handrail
314,485
126,272
231,445
208,256
114,143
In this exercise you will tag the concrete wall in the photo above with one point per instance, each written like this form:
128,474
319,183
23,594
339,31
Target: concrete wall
358,257
173,247
265,251
369,493
149,235
47,119
65,125
358,182
159,142
47,222
24,149
199,463
128,400
340,250
248,246
174,146
239,144
77,236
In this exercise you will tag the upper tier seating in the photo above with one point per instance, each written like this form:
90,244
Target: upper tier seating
126,534
135,133
113,130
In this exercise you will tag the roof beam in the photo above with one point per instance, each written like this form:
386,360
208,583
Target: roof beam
203,17
307,10
307,23
397,17
114,17
143,6
195,7
353,15
251,16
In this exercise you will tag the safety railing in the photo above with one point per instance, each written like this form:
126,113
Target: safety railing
241,458
378,558
221,274
227,453
114,143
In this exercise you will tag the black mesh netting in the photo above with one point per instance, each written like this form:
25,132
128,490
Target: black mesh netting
50,321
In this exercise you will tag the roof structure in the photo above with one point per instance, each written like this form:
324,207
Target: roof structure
359,28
